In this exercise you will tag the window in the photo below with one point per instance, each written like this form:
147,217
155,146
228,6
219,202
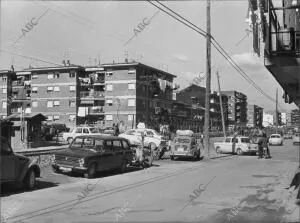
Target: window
50,76
94,130
56,103
50,89
49,104
4,90
235,140
109,117
109,87
56,88
72,104
50,118
130,117
131,86
228,140
72,74
72,88
34,104
56,75
78,130
86,131
99,144
4,79
56,117
34,76
109,145
72,118
109,73
109,102
131,102
34,90
117,145
4,104
77,143
125,145
149,134
245,140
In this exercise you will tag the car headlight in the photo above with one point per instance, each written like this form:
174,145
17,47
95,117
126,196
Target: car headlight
81,162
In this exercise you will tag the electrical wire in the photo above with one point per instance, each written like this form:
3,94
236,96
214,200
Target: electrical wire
217,46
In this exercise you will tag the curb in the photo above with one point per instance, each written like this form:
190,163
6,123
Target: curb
216,157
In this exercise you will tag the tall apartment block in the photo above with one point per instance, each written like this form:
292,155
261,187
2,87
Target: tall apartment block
6,77
295,117
137,93
237,108
254,116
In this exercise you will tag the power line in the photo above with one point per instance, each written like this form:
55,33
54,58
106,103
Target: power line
217,46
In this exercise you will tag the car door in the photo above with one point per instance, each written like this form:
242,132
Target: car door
85,131
78,132
8,162
108,155
227,146
119,152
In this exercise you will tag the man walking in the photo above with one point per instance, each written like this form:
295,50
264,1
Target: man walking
260,145
265,145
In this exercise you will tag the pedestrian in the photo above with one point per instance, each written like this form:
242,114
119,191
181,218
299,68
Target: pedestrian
265,146
260,145
117,130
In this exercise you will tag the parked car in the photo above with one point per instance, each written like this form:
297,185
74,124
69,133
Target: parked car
16,168
276,139
89,154
242,145
287,136
80,131
49,131
152,138
185,145
296,138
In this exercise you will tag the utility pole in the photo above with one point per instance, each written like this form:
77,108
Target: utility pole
276,115
221,105
208,78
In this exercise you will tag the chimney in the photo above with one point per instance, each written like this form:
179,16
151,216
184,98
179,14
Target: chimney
64,63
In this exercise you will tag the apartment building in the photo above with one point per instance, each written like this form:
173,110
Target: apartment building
268,120
6,78
237,108
295,117
254,116
137,93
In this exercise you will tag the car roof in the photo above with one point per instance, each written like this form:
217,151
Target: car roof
275,135
104,137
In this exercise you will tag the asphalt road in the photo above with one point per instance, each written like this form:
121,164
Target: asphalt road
240,189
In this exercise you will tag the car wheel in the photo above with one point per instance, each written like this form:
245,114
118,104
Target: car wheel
239,152
218,150
55,169
91,171
123,166
70,140
30,179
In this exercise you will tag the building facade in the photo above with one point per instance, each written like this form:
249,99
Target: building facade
237,108
268,120
295,117
6,78
137,93
254,116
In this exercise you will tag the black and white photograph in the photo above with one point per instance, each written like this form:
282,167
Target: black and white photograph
150,111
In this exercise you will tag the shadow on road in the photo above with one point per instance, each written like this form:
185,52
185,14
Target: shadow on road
11,189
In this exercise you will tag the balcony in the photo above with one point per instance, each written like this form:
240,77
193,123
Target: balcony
92,95
95,110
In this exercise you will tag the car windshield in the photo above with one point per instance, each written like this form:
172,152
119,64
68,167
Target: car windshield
87,143
275,136
94,130
182,140
245,140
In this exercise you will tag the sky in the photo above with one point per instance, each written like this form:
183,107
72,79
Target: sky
88,31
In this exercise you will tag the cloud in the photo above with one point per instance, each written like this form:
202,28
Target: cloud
248,61
181,57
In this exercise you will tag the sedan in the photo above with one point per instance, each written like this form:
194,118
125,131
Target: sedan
276,139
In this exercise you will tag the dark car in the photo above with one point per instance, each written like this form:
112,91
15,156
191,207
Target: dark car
16,168
90,154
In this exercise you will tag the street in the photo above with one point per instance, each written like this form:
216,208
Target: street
241,189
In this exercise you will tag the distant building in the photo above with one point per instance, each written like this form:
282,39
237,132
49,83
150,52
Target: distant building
254,116
295,117
284,118
237,108
6,78
268,120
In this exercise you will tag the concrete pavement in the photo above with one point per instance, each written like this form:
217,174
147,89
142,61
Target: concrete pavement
243,189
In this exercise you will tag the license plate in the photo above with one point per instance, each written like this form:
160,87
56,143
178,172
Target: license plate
65,169
180,149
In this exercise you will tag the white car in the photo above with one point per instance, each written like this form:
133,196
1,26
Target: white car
296,138
79,131
276,139
242,145
152,138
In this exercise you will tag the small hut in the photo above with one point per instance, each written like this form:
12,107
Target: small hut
27,130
